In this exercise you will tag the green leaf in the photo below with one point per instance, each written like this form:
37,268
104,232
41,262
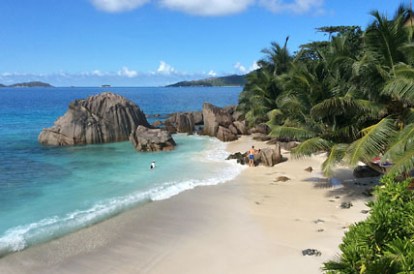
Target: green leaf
374,141
335,156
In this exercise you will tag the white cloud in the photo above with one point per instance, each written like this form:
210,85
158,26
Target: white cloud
212,73
97,72
240,68
296,6
208,7
165,68
243,70
254,66
215,7
118,5
126,72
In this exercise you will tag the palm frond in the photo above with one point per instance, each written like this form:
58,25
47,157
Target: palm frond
295,133
401,86
310,146
335,156
374,141
401,141
275,117
403,162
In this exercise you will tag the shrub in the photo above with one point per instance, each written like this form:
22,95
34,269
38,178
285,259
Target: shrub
384,242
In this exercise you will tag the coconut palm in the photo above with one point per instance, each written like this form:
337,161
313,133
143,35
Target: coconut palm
258,97
388,69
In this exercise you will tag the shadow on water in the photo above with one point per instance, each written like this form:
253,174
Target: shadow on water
344,185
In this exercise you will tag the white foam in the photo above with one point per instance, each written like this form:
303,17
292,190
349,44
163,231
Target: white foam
170,189
20,237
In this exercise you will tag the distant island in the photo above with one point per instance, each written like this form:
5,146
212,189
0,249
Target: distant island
231,80
32,84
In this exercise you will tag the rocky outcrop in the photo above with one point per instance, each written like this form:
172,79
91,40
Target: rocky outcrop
184,122
212,121
260,129
265,156
241,127
146,139
241,158
270,156
102,118
225,134
221,123
214,117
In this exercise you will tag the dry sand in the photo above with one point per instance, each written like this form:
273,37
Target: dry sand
251,224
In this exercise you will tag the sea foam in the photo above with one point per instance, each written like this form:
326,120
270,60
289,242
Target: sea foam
217,171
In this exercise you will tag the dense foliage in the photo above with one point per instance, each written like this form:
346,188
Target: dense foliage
384,242
351,96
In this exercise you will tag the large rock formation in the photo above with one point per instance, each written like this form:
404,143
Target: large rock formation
214,117
184,122
225,134
219,122
102,118
145,139
270,156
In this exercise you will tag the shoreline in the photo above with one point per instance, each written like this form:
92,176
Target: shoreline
250,224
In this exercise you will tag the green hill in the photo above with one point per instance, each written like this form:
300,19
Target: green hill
231,80
31,85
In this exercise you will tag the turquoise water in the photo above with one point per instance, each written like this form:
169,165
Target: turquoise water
48,192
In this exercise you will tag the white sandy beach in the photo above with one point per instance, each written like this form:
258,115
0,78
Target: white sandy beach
251,224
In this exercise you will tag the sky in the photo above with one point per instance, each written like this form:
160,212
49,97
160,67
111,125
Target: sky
159,42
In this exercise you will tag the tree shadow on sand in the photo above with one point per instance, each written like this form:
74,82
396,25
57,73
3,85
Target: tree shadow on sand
344,185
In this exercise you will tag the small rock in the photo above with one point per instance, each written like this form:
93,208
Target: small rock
318,221
346,205
337,197
309,169
311,252
364,211
321,230
282,179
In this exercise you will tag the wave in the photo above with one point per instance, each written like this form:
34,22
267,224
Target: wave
21,237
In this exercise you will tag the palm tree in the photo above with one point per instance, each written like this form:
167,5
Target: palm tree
258,97
361,114
388,69
323,106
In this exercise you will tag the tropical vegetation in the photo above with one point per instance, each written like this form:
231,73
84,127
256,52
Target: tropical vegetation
384,242
351,96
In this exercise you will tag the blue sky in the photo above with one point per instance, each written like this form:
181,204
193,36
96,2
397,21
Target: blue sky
158,42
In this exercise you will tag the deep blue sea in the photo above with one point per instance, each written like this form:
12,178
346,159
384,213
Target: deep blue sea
47,192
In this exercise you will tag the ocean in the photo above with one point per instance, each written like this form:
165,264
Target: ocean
47,192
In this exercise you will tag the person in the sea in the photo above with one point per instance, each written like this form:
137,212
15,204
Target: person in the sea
152,166
251,154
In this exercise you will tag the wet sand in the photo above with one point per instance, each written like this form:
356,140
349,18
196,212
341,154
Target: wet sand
251,224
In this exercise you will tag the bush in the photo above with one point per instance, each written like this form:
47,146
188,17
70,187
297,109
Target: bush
384,242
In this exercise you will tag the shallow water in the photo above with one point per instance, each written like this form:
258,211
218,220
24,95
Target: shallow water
48,192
